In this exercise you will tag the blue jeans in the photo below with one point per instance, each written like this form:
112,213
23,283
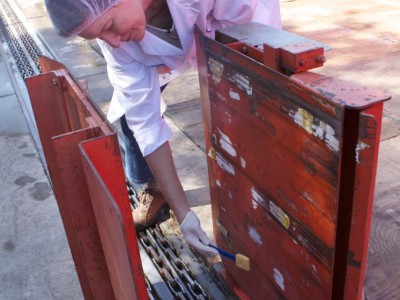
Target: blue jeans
136,169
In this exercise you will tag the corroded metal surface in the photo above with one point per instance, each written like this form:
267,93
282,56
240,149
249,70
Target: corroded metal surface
285,171
104,249
102,165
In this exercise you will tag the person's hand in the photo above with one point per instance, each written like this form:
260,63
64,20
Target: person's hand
195,236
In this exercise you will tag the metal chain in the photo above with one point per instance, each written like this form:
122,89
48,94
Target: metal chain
172,269
150,290
179,266
175,286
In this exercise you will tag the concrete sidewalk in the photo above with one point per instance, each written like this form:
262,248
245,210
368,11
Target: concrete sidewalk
365,41
34,257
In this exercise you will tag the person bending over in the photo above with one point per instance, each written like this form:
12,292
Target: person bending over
139,40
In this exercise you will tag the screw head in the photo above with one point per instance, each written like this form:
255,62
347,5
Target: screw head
320,59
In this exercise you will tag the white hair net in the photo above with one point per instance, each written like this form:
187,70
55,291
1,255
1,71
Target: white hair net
71,17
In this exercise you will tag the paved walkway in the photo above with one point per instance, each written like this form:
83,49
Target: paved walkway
34,255
365,41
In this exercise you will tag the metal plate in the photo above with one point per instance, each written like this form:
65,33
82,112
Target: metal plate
284,170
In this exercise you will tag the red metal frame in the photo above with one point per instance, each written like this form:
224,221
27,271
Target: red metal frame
88,182
105,179
367,149
292,162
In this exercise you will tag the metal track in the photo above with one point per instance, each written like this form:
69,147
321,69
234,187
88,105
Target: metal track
21,53
20,43
175,273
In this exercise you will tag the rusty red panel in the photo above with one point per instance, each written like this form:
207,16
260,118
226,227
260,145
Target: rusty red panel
50,115
301,57
49,110
81,112
283,172
332,94
269,125
366,158
73,195
256,226
271,58
65,117
49,65
74,105
255,211
101,158
248,50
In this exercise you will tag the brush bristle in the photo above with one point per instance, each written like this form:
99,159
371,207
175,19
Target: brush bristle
243,262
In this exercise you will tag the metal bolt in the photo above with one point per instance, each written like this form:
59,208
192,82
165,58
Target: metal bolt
320,58
244,49
54,81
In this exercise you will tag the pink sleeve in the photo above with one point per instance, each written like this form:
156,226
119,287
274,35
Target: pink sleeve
233,12
227,13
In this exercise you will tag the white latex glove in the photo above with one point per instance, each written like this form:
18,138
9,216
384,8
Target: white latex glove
195,236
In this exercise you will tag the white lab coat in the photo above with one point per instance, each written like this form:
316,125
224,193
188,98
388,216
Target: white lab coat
132,67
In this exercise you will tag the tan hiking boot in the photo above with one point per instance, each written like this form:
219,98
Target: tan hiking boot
152,208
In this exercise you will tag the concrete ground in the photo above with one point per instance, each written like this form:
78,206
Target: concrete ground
365,41
34,255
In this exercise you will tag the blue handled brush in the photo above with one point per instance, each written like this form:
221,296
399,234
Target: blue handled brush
242,261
